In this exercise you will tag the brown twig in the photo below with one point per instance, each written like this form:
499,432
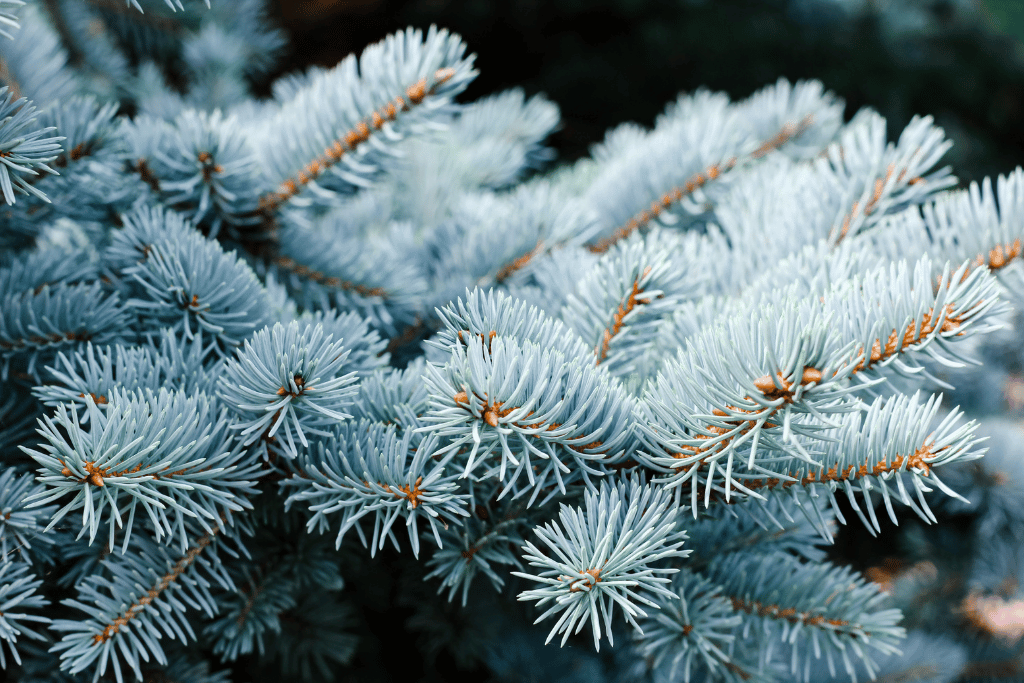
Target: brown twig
624,309
137,607
781,388
350,140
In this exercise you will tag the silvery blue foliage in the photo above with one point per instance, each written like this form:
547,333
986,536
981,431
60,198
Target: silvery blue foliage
208,168
37,54
181,459
23,523
26,148
486,541
527,403
288,380
601,557
39,323
94,372
641,392
694,632
191,285
17,593
843,626
367,468
115,603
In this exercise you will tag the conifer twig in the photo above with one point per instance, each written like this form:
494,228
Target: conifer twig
696,181
137,607
350,140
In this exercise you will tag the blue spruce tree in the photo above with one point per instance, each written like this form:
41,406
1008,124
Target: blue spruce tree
264,361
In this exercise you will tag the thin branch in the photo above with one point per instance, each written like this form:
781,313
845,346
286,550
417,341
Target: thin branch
789,614
507,270
290,265
348,142
780,387
153,593
871,204
696,181
629,304
671,197
997,258
917,460
52,338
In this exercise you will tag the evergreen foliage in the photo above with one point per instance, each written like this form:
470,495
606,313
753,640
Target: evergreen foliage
639,393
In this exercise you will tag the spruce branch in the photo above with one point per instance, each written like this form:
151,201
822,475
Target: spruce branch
903,446
191,284
391,396
484,542
537,218
86,125
366,349
619,307
701,139
661,175
528,402
489,313
145,595
407,75
978,225
45,267
206,171
812,611
759,526
675,195
475,547
604,555
694,183
95,372
37,325
142,228
246,616
165,453
821,347
366,468
34,62
287,381
324,268
17,594
857,160
24,149
694,632
21,526
357,135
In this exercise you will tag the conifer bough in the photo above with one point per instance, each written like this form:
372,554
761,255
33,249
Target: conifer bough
638,393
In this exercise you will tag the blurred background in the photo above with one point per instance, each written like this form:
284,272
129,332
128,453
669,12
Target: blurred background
608,61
